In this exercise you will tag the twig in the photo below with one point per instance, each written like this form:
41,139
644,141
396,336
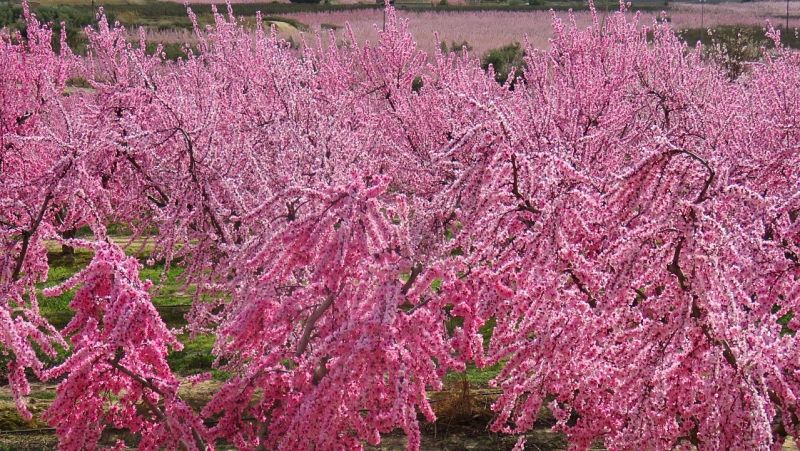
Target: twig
582,288
525,204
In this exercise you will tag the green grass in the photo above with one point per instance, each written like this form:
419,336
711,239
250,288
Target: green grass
56,309
477,377
195,357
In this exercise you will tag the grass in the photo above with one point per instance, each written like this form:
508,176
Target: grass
196,357
477,377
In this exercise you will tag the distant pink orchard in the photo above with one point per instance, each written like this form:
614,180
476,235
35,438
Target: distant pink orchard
624,213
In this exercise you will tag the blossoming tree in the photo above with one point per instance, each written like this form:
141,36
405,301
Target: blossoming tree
624,213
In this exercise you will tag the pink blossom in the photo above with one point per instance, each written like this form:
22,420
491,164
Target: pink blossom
624,212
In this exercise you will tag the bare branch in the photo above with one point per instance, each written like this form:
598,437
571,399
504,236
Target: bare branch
27,234
310,322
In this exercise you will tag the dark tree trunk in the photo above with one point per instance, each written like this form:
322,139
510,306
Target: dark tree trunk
68,252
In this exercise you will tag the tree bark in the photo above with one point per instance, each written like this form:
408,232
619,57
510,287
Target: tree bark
68,252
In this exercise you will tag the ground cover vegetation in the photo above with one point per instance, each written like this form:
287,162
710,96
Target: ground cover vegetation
614,230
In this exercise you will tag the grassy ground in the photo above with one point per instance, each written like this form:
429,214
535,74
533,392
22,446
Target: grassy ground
171,293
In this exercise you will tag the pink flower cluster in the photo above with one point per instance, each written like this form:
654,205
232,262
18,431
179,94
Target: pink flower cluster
625,214
119,346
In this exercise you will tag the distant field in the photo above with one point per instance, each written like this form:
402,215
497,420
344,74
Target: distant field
496,25
486,30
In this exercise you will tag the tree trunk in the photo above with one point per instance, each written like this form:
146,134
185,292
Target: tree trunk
68,252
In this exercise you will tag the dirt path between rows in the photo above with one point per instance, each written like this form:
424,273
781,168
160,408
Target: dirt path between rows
463,431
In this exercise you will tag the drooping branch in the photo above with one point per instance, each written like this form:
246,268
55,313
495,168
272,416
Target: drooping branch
711,173
416,270
674,266
202,186
311,322
696,313
158,411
